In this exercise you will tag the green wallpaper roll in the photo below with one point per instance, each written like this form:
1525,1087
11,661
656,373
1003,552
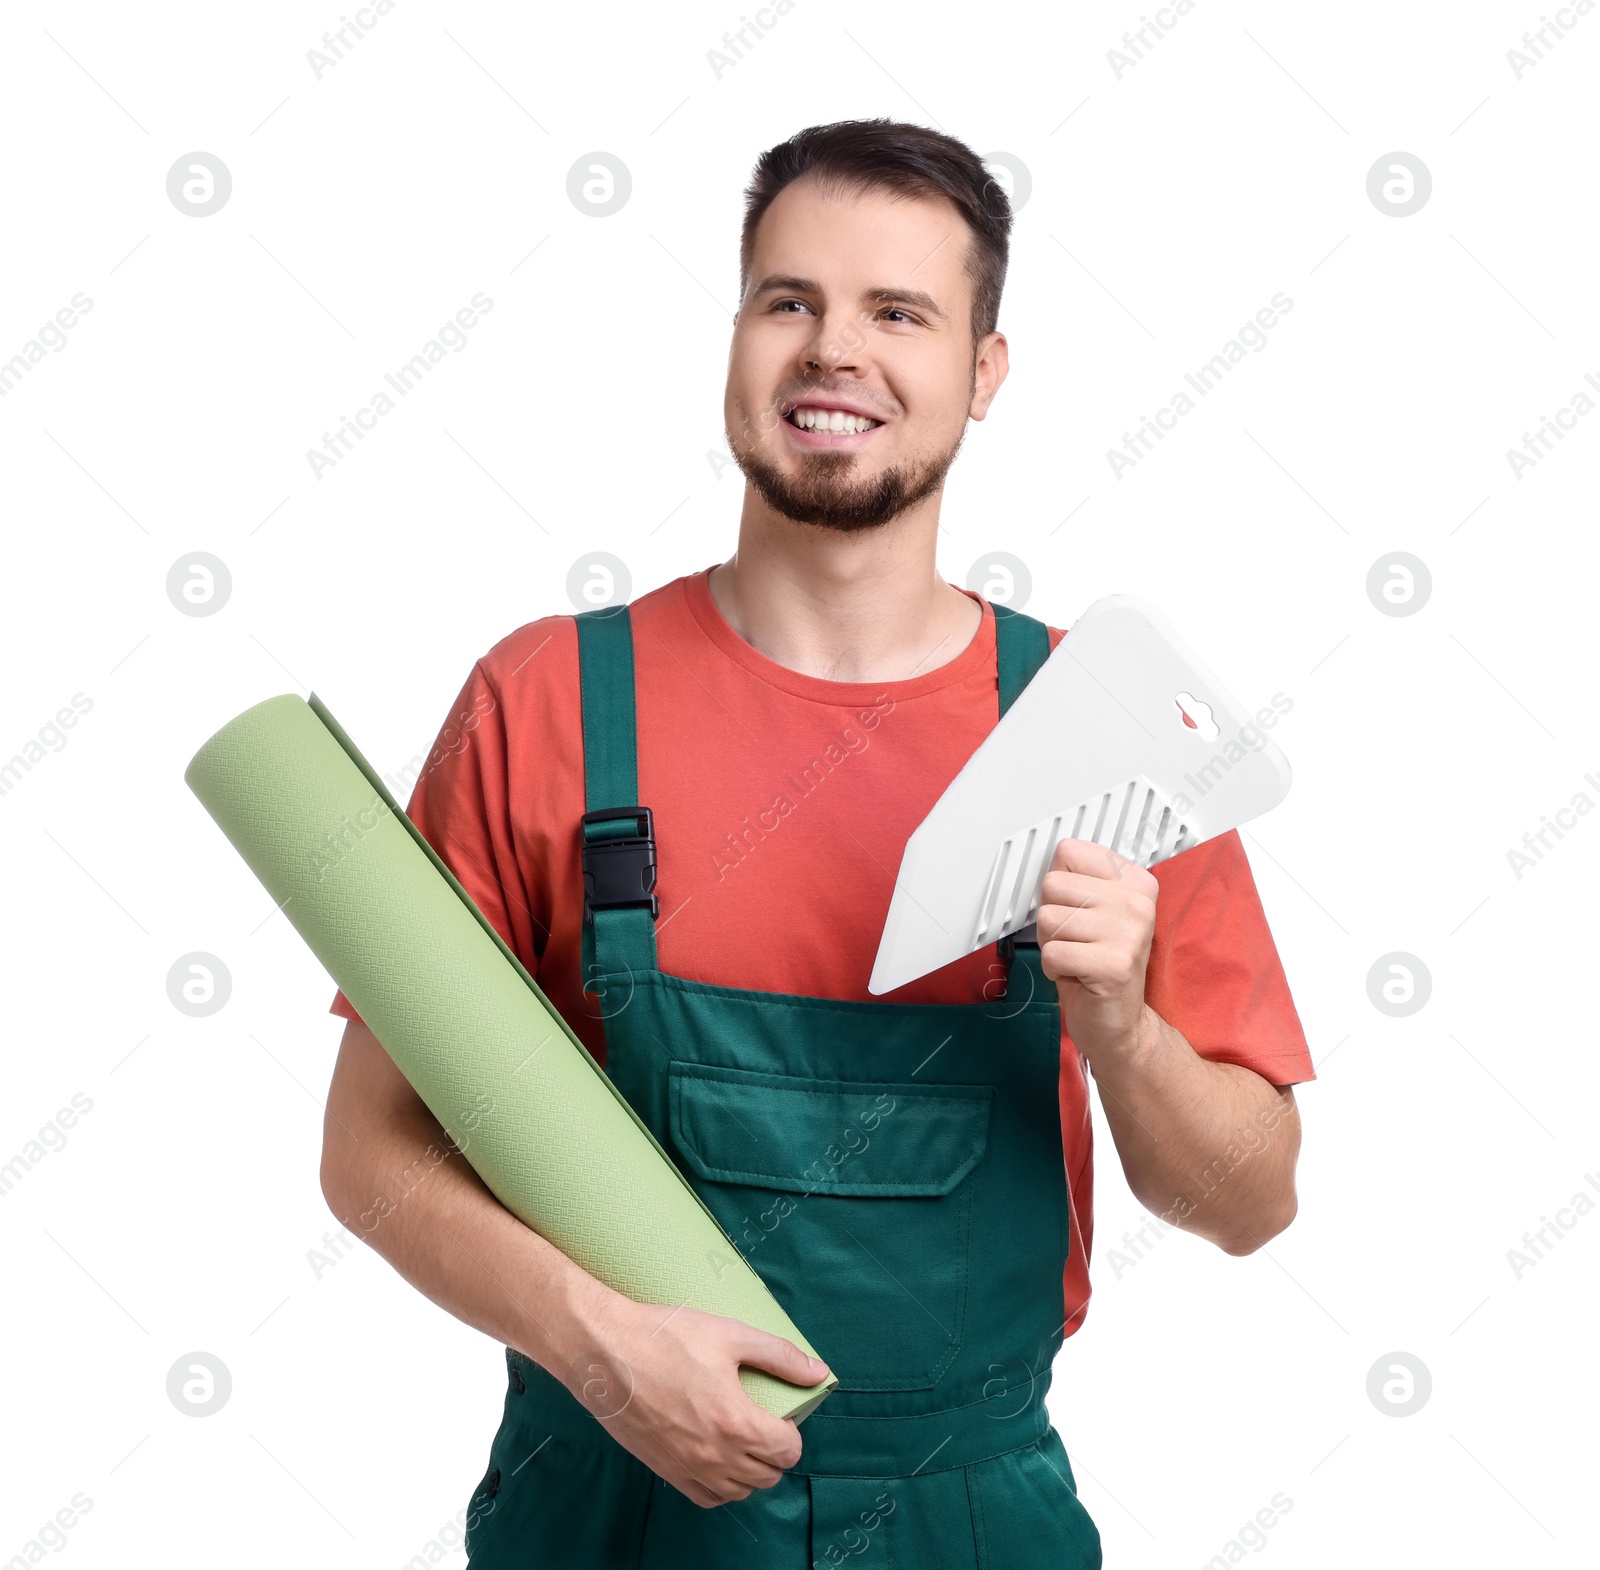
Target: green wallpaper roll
542,1125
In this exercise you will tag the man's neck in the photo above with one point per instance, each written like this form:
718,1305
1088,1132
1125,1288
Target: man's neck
862,607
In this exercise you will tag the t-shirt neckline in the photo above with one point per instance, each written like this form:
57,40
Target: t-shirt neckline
977,658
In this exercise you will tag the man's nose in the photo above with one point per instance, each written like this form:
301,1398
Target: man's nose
837,345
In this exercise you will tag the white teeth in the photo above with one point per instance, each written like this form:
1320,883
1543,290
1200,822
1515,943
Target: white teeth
831,420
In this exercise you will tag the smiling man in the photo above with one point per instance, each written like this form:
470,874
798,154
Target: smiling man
910,1175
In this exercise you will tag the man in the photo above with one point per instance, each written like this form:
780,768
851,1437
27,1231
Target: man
910,1175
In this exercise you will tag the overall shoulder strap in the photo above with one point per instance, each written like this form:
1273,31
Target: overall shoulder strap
617,833
1022,645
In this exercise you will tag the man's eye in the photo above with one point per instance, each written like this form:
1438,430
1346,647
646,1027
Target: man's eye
781,303
894,310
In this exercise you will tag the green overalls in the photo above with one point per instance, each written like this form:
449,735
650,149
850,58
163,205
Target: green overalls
893,1171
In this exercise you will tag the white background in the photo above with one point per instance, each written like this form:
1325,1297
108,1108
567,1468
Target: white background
1166,208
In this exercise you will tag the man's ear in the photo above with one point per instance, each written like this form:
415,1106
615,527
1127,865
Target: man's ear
989,370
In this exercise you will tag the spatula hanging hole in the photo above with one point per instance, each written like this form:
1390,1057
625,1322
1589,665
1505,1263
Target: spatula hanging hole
1196,715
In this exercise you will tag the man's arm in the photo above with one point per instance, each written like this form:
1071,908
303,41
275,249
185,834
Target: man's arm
1210,1147
392,1176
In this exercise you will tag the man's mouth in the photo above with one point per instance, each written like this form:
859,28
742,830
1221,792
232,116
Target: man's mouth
821,420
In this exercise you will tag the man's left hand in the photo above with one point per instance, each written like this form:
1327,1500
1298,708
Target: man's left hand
1097,915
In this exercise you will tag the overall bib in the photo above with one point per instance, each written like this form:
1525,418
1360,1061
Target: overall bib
894,1173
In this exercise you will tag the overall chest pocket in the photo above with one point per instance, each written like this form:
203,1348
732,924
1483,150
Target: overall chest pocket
852,1200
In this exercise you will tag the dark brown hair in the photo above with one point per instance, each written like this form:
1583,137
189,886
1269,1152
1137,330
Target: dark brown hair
892,155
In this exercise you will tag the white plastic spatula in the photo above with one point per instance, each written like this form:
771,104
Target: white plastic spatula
1122,737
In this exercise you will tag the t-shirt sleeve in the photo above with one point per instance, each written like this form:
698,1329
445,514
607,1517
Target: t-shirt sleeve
1214,970
460,802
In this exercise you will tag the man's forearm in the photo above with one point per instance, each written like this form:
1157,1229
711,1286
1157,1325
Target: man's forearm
401,1186
1210,1147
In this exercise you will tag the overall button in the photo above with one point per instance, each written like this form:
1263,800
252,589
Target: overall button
518,1383
491,1484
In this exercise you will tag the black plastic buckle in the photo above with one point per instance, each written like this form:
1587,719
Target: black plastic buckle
619,871
1023,937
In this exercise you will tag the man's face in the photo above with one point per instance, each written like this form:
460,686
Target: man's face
857,314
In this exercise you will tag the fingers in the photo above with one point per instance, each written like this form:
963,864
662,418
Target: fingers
1067,887
1094,964
752,1474
1093,863
774,1355
1111,929
778,1448
1054,921
768,1440
743,1448
722,1445
1080,909
764,1439
707,1484
710,1487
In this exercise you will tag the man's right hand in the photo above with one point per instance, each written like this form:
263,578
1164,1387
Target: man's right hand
665,1384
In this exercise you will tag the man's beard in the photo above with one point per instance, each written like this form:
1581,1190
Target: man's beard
822,493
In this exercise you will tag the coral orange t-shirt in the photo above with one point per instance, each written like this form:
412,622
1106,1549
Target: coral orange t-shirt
782,805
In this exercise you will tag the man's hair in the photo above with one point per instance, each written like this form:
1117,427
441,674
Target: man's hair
891,155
